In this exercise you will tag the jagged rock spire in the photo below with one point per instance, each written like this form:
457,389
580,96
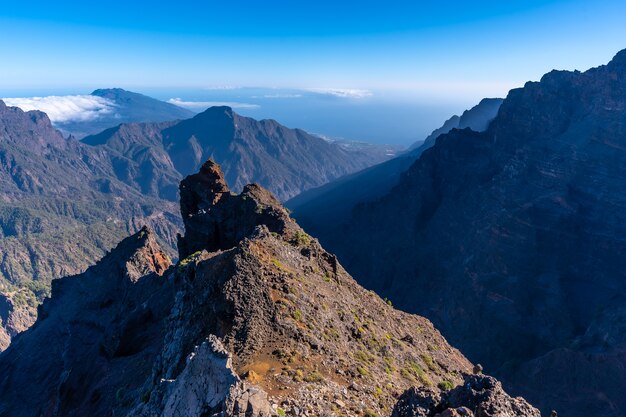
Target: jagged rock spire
216,219
202,190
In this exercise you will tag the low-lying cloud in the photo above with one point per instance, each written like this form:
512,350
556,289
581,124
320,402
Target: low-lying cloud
64,109
202,105
342,92
282,96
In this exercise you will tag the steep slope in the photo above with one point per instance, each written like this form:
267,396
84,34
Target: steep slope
320,209
256,320
129,107
477,118
512,240
61,208
286,161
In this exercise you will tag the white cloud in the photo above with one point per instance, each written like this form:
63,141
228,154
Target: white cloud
223,87
342,92
202,105
63,109
282,96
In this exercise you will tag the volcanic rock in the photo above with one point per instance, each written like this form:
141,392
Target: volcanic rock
257,319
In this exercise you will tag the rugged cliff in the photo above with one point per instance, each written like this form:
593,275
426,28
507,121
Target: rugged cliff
257,319
512,240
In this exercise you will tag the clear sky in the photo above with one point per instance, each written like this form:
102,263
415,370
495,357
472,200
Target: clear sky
436,51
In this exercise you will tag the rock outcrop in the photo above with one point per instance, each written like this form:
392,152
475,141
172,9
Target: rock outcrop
512,241
17,313
93,338
478,396
256,319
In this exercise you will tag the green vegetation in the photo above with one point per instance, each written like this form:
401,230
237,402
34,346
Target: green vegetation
41,290
388,301
300,238
189,259
314,377
298,376
428,360
280,412
364,357
389,364
370,413
363,371
297,315
31,294
445,385
413,370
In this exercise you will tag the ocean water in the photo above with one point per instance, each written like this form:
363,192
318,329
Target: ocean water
368,116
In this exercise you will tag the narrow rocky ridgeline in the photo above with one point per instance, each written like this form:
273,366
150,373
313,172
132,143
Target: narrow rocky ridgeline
256,320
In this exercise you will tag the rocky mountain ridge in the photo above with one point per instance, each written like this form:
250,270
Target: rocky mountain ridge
286,161
526,221
256,320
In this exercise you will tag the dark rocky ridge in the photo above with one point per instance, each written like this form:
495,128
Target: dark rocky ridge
258,321
477,118
512,240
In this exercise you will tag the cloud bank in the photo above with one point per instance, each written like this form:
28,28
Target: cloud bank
202,105
282,96
342,92
64,109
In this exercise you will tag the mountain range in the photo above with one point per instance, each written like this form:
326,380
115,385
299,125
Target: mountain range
504,229
62,206
124,107
511,241
255,320
286,161
65,202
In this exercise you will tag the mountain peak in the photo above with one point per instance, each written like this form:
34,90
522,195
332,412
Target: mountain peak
217,111
31,127
140,254
619,60
114,93
216,219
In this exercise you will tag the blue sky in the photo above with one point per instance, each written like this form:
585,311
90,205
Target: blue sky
446,54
